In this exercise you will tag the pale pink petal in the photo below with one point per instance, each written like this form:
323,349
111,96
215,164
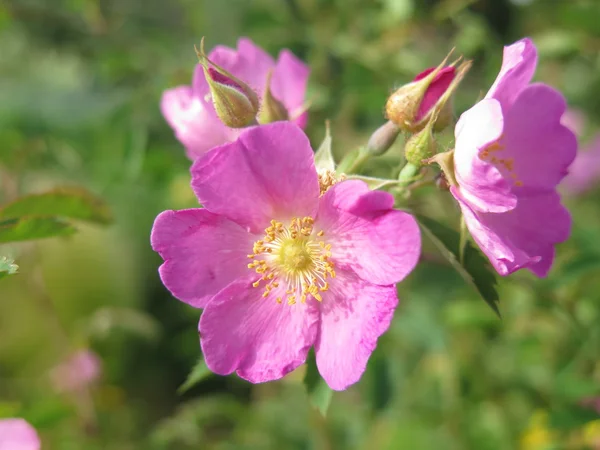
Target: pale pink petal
203,253
354,313
268,173
195,124
523,237
17,434
380,244
518,66
289,85
535,145
574,120
256,337
257,65
584,173
482,185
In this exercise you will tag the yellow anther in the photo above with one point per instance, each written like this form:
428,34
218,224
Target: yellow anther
292,254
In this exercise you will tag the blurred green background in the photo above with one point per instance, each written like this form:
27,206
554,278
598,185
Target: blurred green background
80,86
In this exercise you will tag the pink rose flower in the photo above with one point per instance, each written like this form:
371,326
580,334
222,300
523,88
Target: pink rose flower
511,152
282,259
190,111
17,434
78,372
584,173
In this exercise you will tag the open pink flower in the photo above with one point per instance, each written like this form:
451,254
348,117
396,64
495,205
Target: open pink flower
190,111
17,434
282,259
79,371
511,152
584,173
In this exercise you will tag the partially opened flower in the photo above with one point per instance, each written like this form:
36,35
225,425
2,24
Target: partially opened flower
584,173
191,112
77,372
282,262
511,152
17,434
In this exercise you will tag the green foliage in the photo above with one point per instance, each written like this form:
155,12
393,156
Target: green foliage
474,268
28,228
199,373
319,394
7,267
65,203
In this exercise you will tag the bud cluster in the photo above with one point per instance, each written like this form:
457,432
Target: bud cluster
237,105
419,109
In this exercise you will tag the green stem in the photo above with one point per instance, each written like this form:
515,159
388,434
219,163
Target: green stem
350,165
408,174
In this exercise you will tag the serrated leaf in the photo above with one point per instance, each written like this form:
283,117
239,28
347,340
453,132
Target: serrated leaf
324,156
29,228
68,203
199,373
374,183
319,393
7,267
475,269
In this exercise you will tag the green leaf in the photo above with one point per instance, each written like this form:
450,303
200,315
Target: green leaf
28,228
7,267
324,157
475,269
68,203
199,373
319,394
575,269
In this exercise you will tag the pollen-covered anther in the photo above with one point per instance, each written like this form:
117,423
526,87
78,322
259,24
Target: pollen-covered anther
295,257
328,178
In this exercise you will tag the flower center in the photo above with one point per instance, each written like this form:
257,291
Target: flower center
294,257
493,153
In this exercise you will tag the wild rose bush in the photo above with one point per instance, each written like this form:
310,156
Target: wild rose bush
329,200
289,251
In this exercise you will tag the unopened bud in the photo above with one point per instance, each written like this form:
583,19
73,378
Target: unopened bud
271,109
236,104
383,138
420,146
429,95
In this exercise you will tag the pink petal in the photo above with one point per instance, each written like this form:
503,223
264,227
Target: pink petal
482,185
203,253
194,121
289,84
354,313
518,66
436,89
380,244
257,337
257,65
584,173
540,147
17,434
268,173
523,237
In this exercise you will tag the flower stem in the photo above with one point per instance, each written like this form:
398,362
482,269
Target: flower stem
408,174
